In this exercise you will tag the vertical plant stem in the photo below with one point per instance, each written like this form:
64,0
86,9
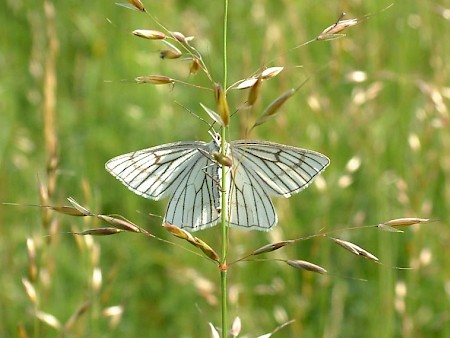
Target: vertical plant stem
224,202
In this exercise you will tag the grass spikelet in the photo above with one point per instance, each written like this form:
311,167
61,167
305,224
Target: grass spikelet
254,92
99,232
48,319
271,247
213,115
406,221
357,250
236,327
207,250
273,108
222,105
305,265
30,290
119,223
79,207
155,79
81,310
149,34
171,53
222,159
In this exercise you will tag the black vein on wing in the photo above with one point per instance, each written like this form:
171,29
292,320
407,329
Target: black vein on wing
305,164
260,199
188,204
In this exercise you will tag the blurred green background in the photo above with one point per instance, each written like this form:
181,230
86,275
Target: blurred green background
376,104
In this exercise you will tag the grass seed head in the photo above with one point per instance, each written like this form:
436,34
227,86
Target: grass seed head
30,290
207,250
149,34
357,250
222,104
138,4
100,232
254,92
333,32
194,66
48,319
305,265
180,37
169,54
178,232
274,107
155,79
406,221
222,159
271,72
236,327
120,223
271,247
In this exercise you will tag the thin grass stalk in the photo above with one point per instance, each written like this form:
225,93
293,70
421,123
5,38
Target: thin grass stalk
224,205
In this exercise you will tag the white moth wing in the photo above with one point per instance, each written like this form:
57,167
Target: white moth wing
182,170
154,172
262,169
249,204
195,202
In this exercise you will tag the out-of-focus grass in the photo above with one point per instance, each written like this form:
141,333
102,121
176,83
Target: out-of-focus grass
395,123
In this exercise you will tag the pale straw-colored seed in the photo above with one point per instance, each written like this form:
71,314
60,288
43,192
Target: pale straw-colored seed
345,181
100,232
48,319
425,257
271,72
115,315
271,247
30,290
149,34
120,223
179,36
96,279
332,32
305,265
116,310
213,115
357,76
406,221
244,84
353,164
357,250
222,104
414,142
207,250
71,211
236,327
155,79
178,232
79,207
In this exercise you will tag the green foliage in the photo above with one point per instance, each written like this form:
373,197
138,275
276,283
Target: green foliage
395,122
